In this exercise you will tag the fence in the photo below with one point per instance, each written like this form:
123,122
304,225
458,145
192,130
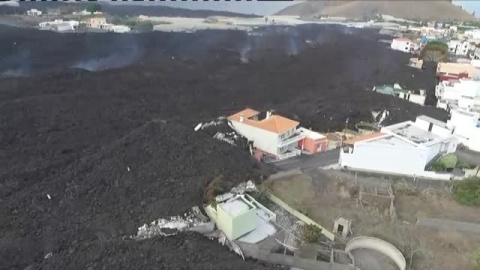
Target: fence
300,216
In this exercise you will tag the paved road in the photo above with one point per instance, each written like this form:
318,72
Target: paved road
469,156
449,224
308,161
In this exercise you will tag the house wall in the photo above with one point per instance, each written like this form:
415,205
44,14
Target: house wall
312,146
401,45
386,158
437,130
465,129
234,227
433,151
415,98
264,140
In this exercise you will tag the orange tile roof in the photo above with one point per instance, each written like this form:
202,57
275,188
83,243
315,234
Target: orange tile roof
364,137
275,123
247,113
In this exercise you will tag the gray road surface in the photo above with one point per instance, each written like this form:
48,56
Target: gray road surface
308,161
468,156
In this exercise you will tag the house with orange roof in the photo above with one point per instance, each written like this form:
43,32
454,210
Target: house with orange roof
405,148
274,135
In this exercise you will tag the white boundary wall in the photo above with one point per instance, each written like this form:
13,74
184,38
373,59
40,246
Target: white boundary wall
379,245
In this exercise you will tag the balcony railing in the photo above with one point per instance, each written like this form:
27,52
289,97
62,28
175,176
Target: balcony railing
295,138
290,153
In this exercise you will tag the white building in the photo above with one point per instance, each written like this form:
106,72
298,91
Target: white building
474,33
405,148
115,28
96,22
274,135
120,28
402,44
458,47
466,128
59,25
463,94
86,13
34,12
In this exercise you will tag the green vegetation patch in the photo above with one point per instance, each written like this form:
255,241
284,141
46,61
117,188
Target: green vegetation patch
467,191
311,233
447,162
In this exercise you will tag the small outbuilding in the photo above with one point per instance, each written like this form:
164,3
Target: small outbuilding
313,142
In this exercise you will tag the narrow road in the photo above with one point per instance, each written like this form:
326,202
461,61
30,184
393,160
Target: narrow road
308,161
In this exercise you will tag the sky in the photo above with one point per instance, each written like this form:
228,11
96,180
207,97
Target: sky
470,6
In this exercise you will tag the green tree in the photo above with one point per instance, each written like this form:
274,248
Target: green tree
93,7
435,51
144,26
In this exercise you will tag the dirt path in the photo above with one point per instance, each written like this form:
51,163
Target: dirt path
447,224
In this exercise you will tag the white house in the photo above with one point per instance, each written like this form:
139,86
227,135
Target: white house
120,28
402,44
458,47
274,135
115,28
463,94
59,25
474,33
405,148
466,128
34,12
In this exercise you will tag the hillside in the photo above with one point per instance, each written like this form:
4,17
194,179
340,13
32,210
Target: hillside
355,9
120,9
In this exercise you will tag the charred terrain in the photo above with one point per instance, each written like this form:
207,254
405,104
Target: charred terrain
114,147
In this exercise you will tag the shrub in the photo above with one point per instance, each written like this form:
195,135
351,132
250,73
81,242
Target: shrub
446,162
438,166
464,165
311,233
449,161
467,191
93,7
476,260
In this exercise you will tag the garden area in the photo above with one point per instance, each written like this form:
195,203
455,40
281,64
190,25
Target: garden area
450,162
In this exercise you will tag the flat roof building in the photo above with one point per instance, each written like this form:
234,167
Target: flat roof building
403,148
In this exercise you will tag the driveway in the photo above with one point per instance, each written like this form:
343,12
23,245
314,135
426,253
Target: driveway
308,161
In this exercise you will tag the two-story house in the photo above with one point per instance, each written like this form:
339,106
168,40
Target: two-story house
272,134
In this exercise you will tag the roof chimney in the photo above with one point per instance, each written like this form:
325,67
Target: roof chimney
241,118
269,113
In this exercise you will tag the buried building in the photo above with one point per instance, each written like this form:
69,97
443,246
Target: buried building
276,136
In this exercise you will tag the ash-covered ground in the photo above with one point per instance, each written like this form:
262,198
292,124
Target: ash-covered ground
114,147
